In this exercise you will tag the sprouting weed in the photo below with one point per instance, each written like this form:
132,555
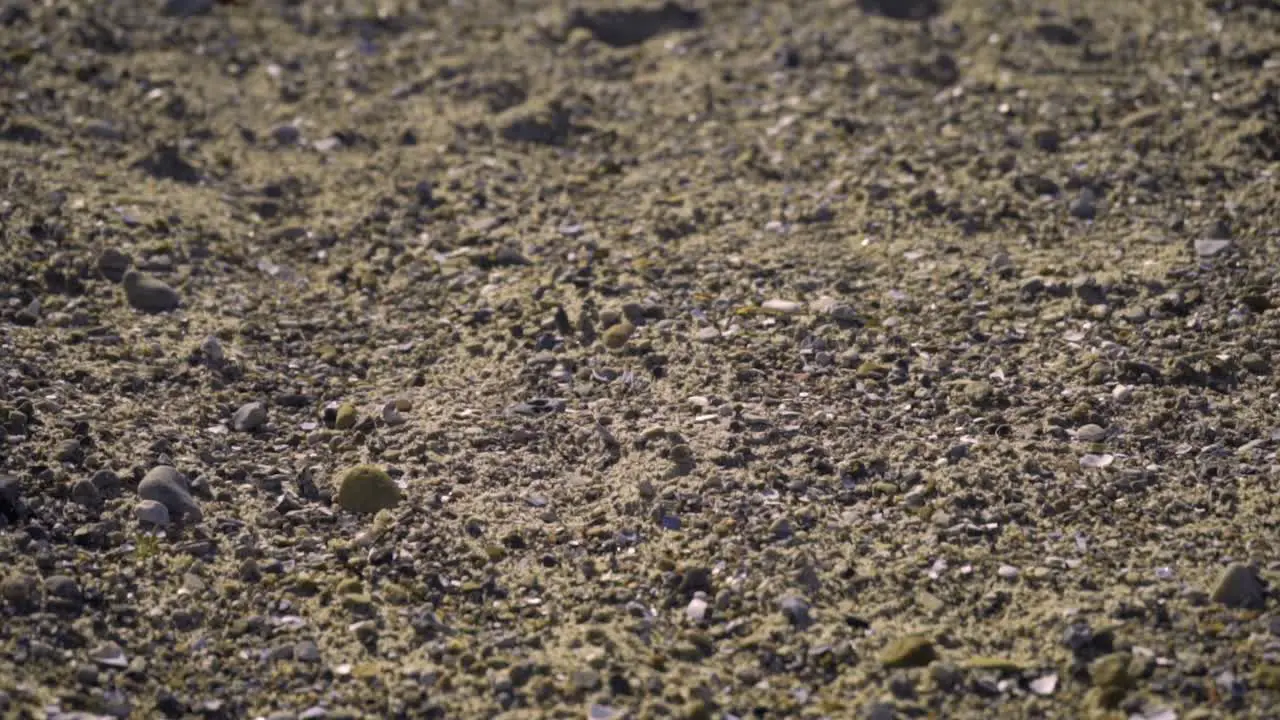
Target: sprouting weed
147,546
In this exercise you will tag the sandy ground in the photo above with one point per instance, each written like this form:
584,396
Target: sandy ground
875,358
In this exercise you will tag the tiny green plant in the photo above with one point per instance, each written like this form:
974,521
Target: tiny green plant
147,547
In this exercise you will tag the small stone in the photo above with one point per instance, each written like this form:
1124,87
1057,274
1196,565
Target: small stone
211,352
106,481
947,676
165,485
1209,247
113,264
149,294
110,655
367,489
978,392
1045,684
11,505
85,493
1085,206
249,417
1046,139
150,512
21,593
64,590
779,306
1239,587
697,610
910,651
391,414
1091,433
69,451
707,334
1111,672
346,417
1255,363
796,611
616,336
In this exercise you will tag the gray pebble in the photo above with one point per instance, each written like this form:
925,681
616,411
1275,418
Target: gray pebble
149,294
1091,433
106,481
85,493
11,505
249,417
64,590
165,485
21,593
1239,587
113,264
1085,206
150,512
796,610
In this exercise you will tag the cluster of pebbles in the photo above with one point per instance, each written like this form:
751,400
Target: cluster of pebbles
881,359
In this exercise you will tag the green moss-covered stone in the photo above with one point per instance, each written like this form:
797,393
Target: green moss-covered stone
909,651
367,489
346,417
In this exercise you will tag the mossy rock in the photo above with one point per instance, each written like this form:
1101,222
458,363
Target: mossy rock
367,489
909,651
616,337
346,417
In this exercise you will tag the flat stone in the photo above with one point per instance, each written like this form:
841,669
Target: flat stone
778,306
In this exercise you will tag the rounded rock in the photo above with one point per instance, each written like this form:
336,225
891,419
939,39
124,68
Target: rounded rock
367,489
164,484
150,512
249,417
149,294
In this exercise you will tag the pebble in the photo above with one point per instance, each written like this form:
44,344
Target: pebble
697,610
796,611
391,414
149,294
64,591
69,451
833,308
211,352
150,512
1091,433
346,417
164,485
910,651
707,334
1208,247
106,481
1239,587
249,417
110,655
21,593
113,264
1085,206
778,306
11,505
85,493
367,489
616,336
